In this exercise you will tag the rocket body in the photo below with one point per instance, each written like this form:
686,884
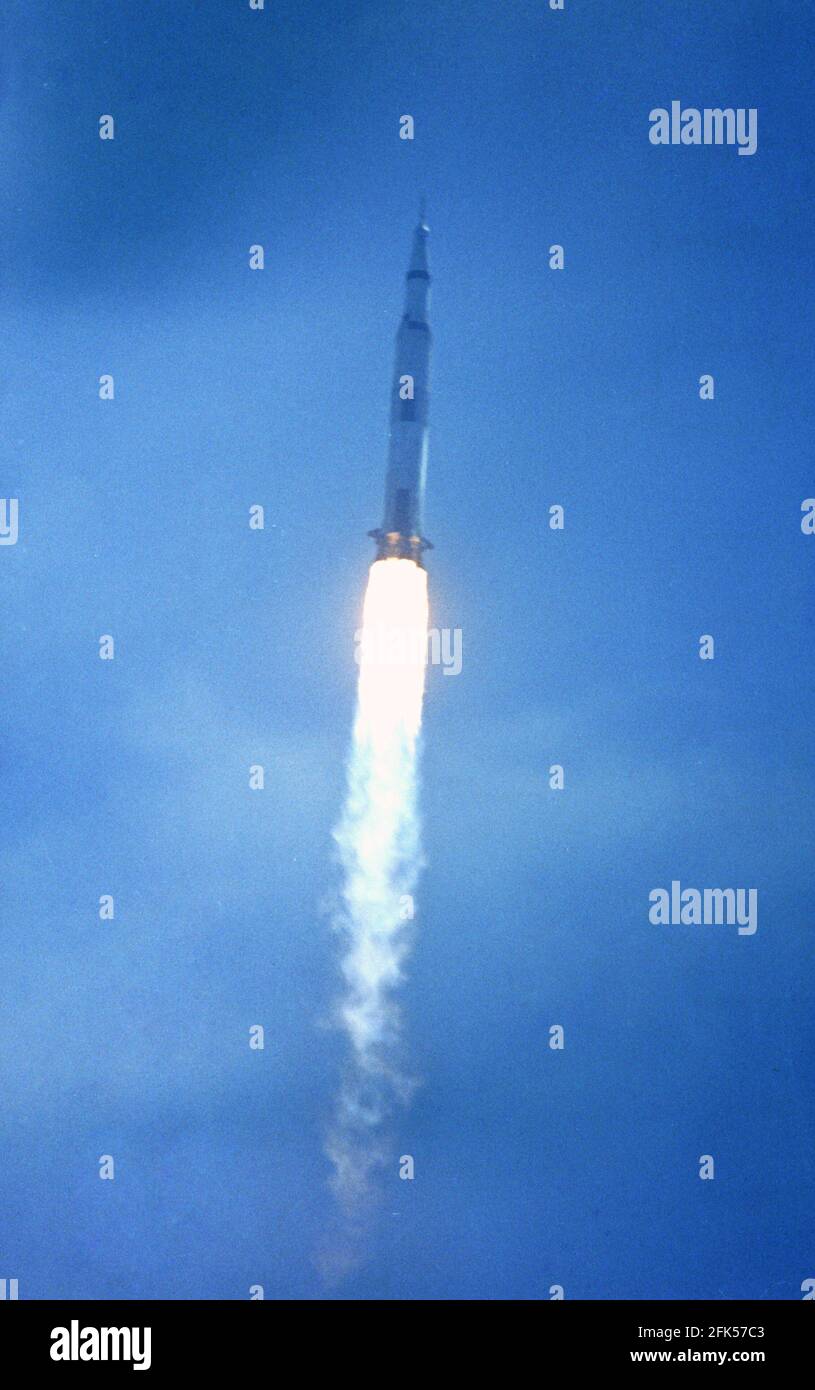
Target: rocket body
401,534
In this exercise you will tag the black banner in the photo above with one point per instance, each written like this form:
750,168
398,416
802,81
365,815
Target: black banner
213,1338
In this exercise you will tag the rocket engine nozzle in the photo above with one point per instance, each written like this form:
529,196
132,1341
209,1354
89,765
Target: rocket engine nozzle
392,545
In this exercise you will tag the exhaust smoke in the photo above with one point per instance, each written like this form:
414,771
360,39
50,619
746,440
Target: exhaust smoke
378,839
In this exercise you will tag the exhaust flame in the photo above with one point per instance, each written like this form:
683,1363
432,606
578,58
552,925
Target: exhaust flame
378,837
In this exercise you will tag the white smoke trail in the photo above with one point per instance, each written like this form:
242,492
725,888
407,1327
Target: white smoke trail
378,837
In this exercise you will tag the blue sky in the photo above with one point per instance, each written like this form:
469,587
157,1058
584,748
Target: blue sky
234,647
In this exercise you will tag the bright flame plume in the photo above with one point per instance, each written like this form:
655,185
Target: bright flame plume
378,837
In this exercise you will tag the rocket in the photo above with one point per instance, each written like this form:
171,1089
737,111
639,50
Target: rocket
400,535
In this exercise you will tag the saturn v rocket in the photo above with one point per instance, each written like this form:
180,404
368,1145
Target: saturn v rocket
401,533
